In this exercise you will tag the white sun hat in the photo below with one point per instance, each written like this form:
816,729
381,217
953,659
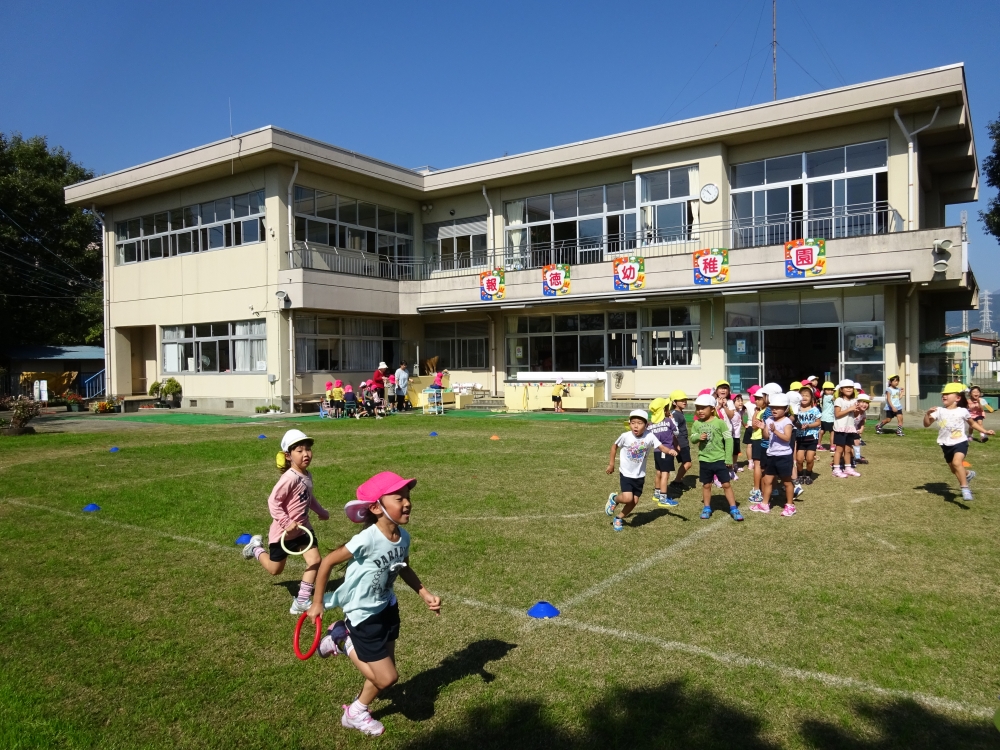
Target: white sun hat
640,413
778,399
293,437
772,389
705,400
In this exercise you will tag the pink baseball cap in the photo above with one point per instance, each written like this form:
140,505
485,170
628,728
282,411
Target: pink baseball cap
705,392
369,493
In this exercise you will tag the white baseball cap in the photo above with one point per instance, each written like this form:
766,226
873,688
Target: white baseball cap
778,399
292,437
772,389
846,384
640,413
864,397
559,381
705,400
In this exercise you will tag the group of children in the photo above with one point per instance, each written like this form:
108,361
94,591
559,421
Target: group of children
377,556
342,401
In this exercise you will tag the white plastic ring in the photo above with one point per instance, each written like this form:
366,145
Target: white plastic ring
302,551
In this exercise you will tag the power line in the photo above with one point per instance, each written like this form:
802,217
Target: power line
42,245
46,269
759,76
752,45
717,83
819,42
800,65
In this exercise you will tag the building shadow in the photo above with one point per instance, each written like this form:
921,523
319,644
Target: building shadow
415,698
671,715
945,491
903,724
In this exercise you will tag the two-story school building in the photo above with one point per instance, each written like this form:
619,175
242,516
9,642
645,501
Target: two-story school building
800,237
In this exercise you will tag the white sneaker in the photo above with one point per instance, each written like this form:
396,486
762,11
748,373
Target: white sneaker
298,609
970,475
333,642
254,543
362,721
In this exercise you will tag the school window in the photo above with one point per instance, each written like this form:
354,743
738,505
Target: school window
667,211
457,243
457,346
671,336
577,226
239,346
838,192
334,344
227,222
571,343
345,223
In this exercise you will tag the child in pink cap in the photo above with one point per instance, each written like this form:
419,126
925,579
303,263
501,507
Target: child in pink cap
336,397
377,555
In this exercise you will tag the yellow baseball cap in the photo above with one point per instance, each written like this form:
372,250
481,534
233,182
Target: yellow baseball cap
796,384
722,382
828,384
678,395
953,388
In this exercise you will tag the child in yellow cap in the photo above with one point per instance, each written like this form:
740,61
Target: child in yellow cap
954,422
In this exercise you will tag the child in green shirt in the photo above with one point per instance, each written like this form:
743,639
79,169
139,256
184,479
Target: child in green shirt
715,449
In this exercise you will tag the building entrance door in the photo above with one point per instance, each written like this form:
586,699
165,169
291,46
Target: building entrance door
793,353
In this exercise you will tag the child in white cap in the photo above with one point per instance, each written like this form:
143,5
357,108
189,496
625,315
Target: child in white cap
779,462
715,450
636,444
290,502
558,391
377,555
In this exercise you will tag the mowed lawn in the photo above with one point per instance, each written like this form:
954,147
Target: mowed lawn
868,620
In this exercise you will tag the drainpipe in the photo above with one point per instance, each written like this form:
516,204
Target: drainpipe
911,169
107,301
492,238
906,374
291,324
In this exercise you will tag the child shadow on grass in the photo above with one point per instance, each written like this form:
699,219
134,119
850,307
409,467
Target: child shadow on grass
648,516
415,698
944,491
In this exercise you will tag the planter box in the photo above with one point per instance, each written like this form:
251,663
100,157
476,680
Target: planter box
72,407
29,430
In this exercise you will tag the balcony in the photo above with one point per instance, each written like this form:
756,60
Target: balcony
830,223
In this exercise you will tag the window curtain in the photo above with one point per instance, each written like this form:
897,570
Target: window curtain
514,216
171,358
242,356
695,202
258,354
361,355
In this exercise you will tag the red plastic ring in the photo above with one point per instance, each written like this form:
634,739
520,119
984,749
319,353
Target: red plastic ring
316,640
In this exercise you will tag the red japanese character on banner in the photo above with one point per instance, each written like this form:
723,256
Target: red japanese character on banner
491,283
555,279
804,257
710,265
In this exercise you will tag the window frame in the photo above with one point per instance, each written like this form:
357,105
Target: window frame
303,340
190,338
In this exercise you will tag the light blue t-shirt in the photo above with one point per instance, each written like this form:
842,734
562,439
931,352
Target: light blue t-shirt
808,416
367,587
892,398
827,414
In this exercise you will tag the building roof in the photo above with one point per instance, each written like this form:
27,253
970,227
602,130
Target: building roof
911,93
56,352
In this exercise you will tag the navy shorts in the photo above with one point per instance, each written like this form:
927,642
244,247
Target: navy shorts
663,462
684,455
757,452
371,636
746,436
844,438
826,426
950,450
713,470
778,466
890,412
295,544
807,444
631,484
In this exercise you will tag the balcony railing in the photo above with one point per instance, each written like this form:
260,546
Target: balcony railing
777,229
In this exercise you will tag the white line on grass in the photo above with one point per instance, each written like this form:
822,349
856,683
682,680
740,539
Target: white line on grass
648,562
117,524
876,497
736,660
526,517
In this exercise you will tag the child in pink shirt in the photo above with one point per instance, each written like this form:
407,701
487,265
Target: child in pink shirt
289,504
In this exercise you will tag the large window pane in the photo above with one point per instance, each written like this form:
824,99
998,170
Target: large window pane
217,237
591,321
814,311
864,308
540,354
305,201
404,223
241,206
591,352
538,208
539,324
619,320
223,210
517,354
670,221
567,323
208,356
517,324
251,230
629,188
748,175
326,205
861,192
742,377
871,377
784,168
655,186
742,347
866,156
779,312
566,354
616,197
591,201
348,210
820,163
366,214
742,314
680,184
622,350
317,232
386,219
564,205
863,344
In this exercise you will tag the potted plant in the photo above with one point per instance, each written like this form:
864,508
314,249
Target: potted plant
108,406
172,389
154,390
73,401
23,410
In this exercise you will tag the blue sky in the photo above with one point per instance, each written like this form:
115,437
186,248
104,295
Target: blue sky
449,83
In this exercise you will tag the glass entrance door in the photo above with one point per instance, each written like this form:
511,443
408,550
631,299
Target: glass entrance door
794,353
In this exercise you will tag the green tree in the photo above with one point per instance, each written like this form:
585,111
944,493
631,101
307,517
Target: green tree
991,166
50,254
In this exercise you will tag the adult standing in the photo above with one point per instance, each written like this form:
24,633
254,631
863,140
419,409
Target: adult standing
402,383
378,380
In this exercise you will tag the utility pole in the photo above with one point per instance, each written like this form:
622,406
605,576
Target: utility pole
774,46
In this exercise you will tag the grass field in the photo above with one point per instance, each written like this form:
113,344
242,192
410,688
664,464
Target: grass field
868,620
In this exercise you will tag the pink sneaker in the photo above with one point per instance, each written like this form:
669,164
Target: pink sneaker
760,508
839,474
716,482
849,471
789,510
362,721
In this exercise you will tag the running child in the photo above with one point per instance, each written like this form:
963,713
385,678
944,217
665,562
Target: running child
809,424
977,408
635,444
826,416
290,502
715,450
370,628
682,443
662,425
845,431
779,462
954,423
893,406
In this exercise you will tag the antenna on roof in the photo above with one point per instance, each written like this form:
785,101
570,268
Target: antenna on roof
774,46
230,117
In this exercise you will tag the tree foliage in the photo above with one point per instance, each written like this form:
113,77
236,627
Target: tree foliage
50,254
991,166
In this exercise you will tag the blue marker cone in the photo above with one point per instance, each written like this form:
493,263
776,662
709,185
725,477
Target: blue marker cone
262,437
114,449
434,434
543,611
92,508
243,539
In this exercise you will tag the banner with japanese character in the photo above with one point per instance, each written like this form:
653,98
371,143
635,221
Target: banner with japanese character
555,279
491,285
805,258
711,266
630,273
